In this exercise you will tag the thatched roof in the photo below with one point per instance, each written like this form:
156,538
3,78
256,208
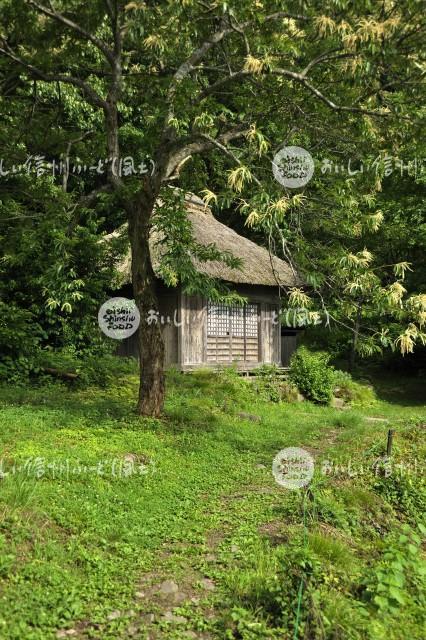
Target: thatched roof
258,266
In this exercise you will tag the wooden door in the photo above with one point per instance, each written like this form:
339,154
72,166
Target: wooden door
232,333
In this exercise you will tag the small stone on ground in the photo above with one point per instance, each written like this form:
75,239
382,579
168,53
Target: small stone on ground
249,416
168,587
208,584
114,615
169,616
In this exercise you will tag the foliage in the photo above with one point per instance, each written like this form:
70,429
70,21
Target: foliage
94,367
402,491
20,336
312,375
51,283
270,385
209,123
399,575
179,250
351,390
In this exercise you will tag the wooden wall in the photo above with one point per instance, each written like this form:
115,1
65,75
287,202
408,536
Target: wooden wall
288,346
193,330
192,334
185,328
168,302
270,334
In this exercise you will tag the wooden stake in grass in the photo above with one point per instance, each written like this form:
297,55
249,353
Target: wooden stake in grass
389,443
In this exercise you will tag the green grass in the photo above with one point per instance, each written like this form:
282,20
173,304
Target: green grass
200,502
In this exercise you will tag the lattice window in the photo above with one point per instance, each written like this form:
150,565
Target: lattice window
217,320
251,320
237,321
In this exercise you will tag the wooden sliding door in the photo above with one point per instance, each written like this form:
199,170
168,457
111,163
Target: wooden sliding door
232,333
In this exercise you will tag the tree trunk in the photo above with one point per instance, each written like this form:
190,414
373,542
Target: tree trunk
150,339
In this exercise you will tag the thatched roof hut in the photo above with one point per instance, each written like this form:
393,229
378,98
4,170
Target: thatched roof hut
198,332
258,266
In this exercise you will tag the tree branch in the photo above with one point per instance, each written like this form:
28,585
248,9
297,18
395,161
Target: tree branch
298,77
65,175
59,17
367,112
228,153
199,54
83,202
92,96
113,56
325,57
199,144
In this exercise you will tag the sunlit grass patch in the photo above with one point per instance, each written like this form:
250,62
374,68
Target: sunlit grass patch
73,547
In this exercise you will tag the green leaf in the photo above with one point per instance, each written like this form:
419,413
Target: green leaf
397,595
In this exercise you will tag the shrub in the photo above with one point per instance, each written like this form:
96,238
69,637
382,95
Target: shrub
312,374
395,583
405,493
20,336
46,366
288,392
351,391
100,369
271,387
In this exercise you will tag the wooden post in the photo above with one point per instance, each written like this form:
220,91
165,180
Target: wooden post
389,443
